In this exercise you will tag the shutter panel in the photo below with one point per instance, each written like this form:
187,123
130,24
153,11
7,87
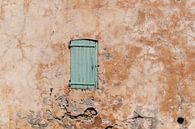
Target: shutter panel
84,62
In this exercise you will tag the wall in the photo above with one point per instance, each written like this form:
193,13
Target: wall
146,58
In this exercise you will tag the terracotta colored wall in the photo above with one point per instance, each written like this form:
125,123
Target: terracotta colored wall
146,73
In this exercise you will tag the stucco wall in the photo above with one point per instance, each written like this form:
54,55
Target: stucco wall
146,58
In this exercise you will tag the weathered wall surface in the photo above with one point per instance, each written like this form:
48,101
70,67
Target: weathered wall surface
146,58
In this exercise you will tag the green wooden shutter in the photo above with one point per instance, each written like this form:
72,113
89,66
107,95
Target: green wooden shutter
84,64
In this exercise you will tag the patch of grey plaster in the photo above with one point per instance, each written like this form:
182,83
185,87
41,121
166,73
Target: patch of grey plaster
62,106
36,121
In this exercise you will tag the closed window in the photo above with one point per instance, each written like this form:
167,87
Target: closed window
84,64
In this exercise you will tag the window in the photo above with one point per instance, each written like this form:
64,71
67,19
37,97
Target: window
84,64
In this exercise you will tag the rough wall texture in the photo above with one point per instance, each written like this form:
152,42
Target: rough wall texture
146,58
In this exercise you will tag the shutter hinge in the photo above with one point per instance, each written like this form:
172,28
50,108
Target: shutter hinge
69,44
97,66
69,85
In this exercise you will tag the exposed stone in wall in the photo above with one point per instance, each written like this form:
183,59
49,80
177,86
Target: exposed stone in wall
146,59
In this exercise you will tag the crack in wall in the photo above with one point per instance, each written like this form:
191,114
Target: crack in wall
36,120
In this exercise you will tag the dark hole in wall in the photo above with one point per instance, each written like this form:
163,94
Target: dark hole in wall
180,120
51,89
109,127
